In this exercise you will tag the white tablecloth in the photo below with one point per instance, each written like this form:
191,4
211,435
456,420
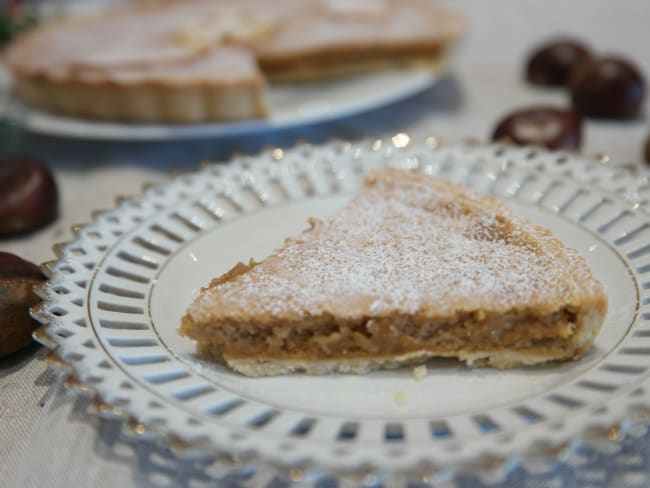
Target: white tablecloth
47,437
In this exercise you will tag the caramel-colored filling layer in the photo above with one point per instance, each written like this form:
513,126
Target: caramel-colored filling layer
341,61
325,338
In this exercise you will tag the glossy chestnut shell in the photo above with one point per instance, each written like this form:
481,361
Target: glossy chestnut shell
549,127
551,64
607,88
29,198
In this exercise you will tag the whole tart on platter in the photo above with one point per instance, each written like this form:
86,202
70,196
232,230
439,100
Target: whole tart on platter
201,60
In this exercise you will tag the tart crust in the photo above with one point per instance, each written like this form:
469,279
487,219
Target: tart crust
154,100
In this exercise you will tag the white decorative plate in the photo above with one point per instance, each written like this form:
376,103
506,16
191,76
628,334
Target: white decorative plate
290,105
116,295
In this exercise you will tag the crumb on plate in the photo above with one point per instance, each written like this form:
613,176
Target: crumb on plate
420,372
400,397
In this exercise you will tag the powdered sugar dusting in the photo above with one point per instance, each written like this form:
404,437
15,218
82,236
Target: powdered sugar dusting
407,244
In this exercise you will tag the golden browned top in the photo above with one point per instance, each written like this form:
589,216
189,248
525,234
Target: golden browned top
170,35
407,244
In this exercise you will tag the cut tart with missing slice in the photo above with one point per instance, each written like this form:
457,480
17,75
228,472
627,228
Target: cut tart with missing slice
208,60
411,268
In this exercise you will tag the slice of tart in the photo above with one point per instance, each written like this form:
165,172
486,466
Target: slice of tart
411,268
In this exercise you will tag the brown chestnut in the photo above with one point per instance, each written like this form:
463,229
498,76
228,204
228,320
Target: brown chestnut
29,197
17,278
607,88
552,63
548,127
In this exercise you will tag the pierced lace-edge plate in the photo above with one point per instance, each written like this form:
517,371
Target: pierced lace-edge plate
115,296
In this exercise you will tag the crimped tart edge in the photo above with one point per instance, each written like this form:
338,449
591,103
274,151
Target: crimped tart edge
146,101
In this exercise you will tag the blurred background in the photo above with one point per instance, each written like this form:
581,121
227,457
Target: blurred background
483,82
